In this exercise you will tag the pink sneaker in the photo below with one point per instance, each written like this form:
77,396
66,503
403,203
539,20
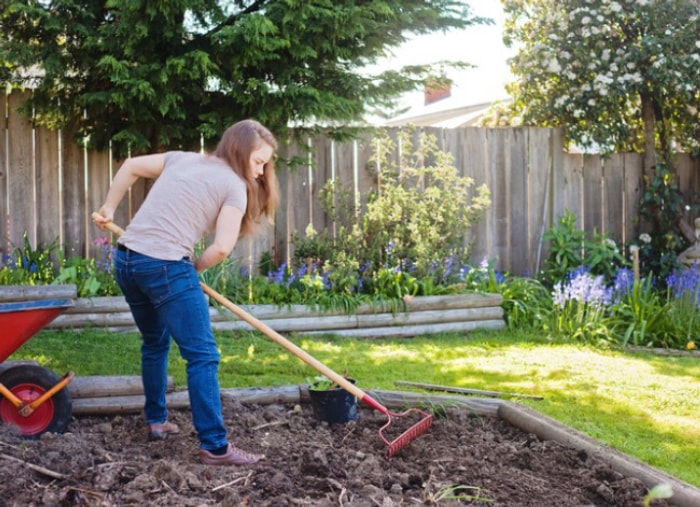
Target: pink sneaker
161,430
233,456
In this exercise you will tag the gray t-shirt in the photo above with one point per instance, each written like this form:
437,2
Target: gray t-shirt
183,204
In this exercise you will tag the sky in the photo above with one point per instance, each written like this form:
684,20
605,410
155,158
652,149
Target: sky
480,45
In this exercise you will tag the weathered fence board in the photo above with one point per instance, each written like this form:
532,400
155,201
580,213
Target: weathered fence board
49,186
518,207
634,171
592,194
20,176
613,195
538,166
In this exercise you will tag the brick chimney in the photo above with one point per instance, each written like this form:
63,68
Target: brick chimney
437,92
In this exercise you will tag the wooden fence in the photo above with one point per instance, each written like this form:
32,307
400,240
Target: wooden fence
49,186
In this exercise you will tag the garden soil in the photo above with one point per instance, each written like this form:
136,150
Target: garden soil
462,460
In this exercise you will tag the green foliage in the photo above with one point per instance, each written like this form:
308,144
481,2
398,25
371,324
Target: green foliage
595,67
571,248
408,240
527,304
83,274
640,315
422,207
662,206
38,262
156,75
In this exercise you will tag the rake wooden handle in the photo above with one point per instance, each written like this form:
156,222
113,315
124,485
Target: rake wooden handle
111,226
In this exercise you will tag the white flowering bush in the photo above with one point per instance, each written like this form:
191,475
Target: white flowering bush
593,65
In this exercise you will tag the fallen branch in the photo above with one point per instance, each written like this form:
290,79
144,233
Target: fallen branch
448,389
267,425
36,468
235,481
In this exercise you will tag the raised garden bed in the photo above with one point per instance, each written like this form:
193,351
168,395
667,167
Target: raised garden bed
422,315
499,451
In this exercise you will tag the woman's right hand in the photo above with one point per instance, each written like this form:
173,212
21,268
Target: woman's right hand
106,215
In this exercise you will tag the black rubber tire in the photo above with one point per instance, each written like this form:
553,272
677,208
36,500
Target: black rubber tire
31,380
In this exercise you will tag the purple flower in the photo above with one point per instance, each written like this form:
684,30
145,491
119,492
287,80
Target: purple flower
624,281
278,276
583,288
685,283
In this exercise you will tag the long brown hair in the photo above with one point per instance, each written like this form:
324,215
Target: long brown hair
237,144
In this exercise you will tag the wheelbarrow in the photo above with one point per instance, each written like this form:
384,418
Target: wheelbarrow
33,398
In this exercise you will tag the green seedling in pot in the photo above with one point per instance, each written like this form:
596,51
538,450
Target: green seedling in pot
323,383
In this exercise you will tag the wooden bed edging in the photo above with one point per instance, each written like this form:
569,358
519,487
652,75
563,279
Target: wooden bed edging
423,315
520,416
546,428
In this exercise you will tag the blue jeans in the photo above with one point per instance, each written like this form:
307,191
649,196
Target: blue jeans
167,301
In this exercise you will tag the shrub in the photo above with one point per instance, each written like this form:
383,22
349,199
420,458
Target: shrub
570,248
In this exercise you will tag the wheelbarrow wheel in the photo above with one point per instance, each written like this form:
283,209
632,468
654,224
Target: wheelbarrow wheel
29,382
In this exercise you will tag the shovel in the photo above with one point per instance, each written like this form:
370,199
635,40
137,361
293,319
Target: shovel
395,445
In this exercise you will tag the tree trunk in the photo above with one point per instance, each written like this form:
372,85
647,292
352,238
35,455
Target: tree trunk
650,117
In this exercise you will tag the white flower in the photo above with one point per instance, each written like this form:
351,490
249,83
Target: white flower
615,7
554,66
645,238
591,102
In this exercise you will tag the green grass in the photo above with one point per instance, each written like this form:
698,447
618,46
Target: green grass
642,404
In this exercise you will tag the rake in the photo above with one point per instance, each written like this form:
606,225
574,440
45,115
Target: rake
395,445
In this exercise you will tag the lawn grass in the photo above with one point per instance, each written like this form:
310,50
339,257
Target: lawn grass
642,404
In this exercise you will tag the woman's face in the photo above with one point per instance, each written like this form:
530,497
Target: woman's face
258,158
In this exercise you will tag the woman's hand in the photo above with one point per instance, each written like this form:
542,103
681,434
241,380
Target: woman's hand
103,217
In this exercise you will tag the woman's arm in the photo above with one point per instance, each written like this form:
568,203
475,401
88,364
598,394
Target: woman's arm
145,166
228,226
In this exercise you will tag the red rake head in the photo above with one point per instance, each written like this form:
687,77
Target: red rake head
407,436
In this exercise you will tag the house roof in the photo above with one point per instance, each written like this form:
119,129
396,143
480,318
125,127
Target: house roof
470,97
453,116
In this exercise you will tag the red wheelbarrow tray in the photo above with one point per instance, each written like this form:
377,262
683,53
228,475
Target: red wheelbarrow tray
19,321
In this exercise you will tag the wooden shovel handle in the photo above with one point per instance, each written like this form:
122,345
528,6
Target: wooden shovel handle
274,336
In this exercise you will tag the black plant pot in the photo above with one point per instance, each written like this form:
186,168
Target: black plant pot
333,405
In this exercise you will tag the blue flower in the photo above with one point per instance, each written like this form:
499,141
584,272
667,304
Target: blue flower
685,283
623,283
390,248
278,276
583,288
